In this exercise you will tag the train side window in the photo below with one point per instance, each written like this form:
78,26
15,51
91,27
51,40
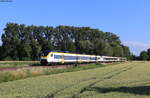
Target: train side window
51,55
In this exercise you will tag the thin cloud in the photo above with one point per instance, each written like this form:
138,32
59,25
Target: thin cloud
137,47
137,44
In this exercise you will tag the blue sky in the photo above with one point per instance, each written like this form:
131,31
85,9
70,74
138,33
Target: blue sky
129,19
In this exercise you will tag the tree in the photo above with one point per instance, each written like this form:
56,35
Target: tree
148,53
10,41
127,52
143,56
22,42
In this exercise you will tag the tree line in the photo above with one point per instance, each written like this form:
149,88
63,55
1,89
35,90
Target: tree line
144,56
26,42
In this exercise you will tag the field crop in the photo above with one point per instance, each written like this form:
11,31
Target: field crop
25,72
10,64
125,80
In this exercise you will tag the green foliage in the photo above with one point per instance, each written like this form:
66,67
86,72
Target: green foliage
144,56
21,42
148,53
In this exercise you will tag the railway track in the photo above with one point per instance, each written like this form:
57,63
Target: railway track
58,66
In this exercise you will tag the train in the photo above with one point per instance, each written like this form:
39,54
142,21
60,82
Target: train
60,57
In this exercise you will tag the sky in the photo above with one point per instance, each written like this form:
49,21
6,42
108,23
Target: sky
129,19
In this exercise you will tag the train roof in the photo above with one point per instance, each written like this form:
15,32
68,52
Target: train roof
56,51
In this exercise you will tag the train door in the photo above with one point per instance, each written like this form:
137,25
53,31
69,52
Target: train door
63,61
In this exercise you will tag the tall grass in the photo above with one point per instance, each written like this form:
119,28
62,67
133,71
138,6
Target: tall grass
26,72
10,64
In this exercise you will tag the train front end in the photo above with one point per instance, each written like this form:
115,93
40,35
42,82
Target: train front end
45,57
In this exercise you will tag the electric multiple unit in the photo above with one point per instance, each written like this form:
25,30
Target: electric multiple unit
54,57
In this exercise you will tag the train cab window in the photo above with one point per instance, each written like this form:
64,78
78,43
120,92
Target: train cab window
51,55
45,53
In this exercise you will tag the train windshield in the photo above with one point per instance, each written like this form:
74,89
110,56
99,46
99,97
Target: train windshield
45,53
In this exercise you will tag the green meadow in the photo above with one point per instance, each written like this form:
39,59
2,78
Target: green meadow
124,80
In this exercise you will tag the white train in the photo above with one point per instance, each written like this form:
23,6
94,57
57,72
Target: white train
55,57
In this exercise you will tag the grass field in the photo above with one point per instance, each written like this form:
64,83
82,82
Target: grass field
125,80
22,73
9,64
